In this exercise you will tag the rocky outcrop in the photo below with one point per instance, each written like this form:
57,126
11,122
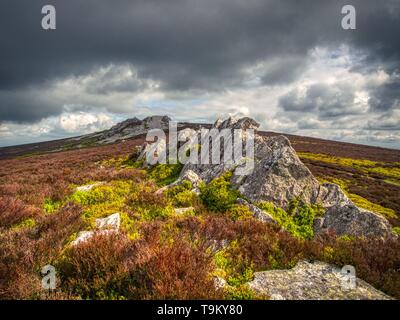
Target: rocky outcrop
278,176
133,127
313,281
343,217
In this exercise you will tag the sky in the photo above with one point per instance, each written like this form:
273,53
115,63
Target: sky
286,63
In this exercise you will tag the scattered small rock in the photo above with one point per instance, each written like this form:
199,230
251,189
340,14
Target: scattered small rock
89,187
111,222
104,226
220,283
181,211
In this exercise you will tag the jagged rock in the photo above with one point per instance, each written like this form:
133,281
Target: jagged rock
278,174
190,176
257,212
237,123
313,281
89,187
104,226
111,222
181,211
343,217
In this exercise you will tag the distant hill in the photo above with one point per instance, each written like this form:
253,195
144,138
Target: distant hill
134,128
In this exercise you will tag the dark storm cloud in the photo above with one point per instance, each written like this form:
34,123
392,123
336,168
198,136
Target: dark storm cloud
284,70
183,44
25,106
325,101
387,96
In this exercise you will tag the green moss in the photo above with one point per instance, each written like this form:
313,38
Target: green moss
152,212
242,292
103,200
368,205
130,226
27,223
218,195
234,270
164,174
51,206
396,230
299,218
239,212
182,195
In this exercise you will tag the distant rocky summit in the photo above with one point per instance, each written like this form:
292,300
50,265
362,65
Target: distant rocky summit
132,128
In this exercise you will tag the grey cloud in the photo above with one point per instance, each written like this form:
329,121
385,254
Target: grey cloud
189,46
26,106
324,100
386,96
284,70
114,79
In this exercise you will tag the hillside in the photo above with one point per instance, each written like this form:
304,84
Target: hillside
168,242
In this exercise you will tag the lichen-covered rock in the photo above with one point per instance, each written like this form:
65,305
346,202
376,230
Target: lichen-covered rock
111,222
343,217
104,226
89,187
220,283
258,214
84,236
132,128
190,176
236,123
278,175
312,281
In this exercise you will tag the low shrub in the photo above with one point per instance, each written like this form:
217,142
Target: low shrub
239,212
165,174
218,195
14,211
299,218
